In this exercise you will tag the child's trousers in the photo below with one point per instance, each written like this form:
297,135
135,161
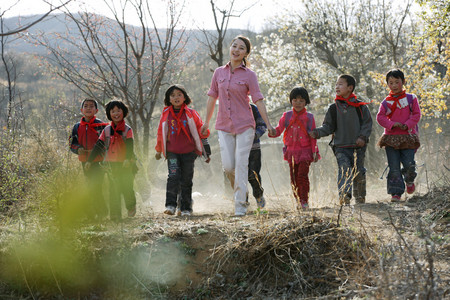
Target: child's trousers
234,151
120,184
179,181
397,177
300,180
254,167
95,202
351,170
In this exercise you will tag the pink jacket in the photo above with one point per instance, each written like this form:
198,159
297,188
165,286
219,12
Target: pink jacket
194,122
298,145
406,113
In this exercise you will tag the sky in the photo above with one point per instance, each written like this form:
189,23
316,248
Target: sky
197,12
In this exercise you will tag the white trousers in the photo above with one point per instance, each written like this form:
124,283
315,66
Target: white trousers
234,150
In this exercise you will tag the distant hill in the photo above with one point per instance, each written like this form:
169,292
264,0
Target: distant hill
59,23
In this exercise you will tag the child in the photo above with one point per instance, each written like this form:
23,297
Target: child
350,122
399,114
116,145
254,159
82,140
299,148
180,141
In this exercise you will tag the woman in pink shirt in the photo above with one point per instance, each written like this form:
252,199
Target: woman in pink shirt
232,84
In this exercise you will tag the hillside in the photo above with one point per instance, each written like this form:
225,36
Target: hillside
378,250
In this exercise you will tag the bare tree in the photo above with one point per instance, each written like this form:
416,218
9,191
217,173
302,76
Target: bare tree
27,26
214,40
110,59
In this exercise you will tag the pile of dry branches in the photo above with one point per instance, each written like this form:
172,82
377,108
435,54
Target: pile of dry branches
299,256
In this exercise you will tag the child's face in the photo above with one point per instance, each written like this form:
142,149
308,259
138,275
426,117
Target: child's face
395,84
298,103
238,51
88,110
116,114
343,89
177,98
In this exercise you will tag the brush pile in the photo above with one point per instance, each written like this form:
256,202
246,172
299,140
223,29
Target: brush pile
301,256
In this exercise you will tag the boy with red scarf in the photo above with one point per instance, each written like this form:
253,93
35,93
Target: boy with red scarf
116,146
350,122
399,114
180,141
82,140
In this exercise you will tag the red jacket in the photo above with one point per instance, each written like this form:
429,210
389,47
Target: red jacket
85,135
194,123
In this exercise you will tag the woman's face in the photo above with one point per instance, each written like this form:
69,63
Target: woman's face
238,51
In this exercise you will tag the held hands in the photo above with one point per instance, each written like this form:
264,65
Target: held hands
158,155
360,142
204,129
272,131
313,134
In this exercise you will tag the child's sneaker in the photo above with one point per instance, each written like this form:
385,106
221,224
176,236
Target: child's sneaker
185,213
344,200
410,188
395,198
261,202
360,200
170,210
132,212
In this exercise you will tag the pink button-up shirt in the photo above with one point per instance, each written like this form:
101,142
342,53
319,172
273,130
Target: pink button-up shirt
232,89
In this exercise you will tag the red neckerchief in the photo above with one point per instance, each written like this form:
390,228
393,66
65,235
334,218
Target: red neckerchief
395,98
296,119
347,100
177,117
91,125
120,127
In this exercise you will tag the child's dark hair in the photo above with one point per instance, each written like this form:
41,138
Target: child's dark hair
116,103
299,91
187,99
349,79
248,45
396,73
91,100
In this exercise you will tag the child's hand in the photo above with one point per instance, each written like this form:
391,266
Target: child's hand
360,142
158,155
404,127
126,163
87,166
208,160
82,151
313,134
315,157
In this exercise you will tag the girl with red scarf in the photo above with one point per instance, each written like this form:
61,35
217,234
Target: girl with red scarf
180,141
399,114
299,148
116,146
82,140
